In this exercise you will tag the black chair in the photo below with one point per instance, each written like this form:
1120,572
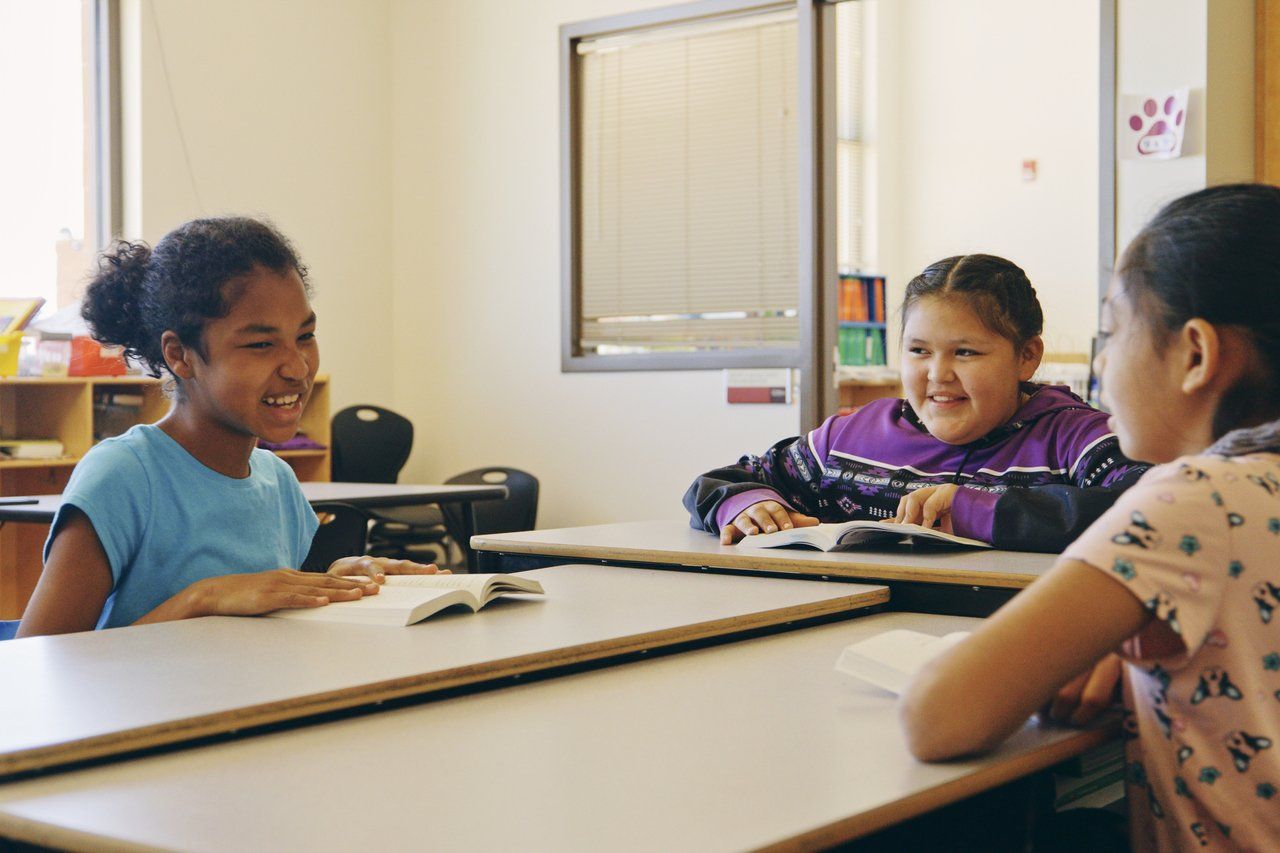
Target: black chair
519,511
433,528
343,532
370,444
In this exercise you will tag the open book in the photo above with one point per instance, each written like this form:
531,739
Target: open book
846,535
889,660
405,599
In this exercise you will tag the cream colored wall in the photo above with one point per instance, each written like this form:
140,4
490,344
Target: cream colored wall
285,110
411,150
476,265
967,91
1207,46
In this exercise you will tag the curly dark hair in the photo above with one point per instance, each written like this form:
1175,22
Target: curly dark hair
995,289
139,292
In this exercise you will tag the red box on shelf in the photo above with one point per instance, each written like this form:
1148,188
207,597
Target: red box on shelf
90,358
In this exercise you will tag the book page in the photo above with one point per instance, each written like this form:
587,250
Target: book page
477,585
474,583
820,536
391,606
859,532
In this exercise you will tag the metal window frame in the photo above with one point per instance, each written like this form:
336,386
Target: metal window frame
108,197
816,196
572,359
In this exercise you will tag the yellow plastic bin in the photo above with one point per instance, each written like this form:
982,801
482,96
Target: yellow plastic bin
9,347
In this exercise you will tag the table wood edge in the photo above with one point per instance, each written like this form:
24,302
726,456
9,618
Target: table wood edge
870,572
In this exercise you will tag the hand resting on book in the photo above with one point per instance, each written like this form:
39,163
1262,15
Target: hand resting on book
766,517
929,506
377,568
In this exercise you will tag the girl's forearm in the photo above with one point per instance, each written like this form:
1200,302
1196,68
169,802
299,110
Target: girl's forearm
187,604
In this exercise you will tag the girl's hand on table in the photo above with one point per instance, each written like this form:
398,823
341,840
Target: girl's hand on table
377,568
279,589
928,507
767,517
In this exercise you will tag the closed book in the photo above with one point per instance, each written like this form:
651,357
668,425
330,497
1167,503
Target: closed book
890,660
31,449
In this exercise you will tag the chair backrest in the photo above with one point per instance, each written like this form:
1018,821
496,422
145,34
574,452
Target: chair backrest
518,512
370,444
343,532
8,628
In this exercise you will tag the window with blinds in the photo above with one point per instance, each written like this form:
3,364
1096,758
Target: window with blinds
685,163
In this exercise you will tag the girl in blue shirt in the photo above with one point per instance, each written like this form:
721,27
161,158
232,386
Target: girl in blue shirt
187,517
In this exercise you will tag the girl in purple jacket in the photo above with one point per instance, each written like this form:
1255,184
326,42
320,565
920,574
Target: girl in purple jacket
975,447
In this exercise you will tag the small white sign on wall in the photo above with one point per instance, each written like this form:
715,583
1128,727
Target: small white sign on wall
758,385
1152,126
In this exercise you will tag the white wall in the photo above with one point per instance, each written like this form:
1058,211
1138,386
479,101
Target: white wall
1209,47
285,110
967,91
411,150
476,265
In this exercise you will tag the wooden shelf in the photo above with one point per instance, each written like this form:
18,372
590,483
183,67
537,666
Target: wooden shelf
78,380
67,461
308,453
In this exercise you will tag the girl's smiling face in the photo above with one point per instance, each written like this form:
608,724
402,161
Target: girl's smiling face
961,378
259,360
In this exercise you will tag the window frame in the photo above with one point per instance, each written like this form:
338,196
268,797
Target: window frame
572,359
108,197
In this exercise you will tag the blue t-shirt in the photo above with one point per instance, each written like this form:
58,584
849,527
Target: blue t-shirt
166,520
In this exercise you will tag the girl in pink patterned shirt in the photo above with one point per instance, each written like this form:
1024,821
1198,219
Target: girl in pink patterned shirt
1182,576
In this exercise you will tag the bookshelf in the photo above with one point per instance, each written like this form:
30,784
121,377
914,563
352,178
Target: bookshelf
63,408
861,312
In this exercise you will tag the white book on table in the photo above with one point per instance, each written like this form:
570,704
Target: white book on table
406,599
891,659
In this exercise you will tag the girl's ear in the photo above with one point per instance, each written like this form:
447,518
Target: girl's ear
176,355
1029,359
1199,355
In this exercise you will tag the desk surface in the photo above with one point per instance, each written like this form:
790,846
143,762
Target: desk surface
754,743
102,693
367,495
674,543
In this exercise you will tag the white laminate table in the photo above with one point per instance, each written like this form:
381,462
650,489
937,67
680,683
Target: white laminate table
79,696
971,582
743,745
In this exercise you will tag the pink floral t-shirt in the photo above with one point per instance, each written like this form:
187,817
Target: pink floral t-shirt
1197,541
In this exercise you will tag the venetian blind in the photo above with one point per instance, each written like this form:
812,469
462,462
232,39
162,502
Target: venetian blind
687,187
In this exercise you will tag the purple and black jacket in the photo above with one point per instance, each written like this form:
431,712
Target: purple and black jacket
1033,484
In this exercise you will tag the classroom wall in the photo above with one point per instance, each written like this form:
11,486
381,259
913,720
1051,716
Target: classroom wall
411,149
966,92
1207,46
278,109
476,266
